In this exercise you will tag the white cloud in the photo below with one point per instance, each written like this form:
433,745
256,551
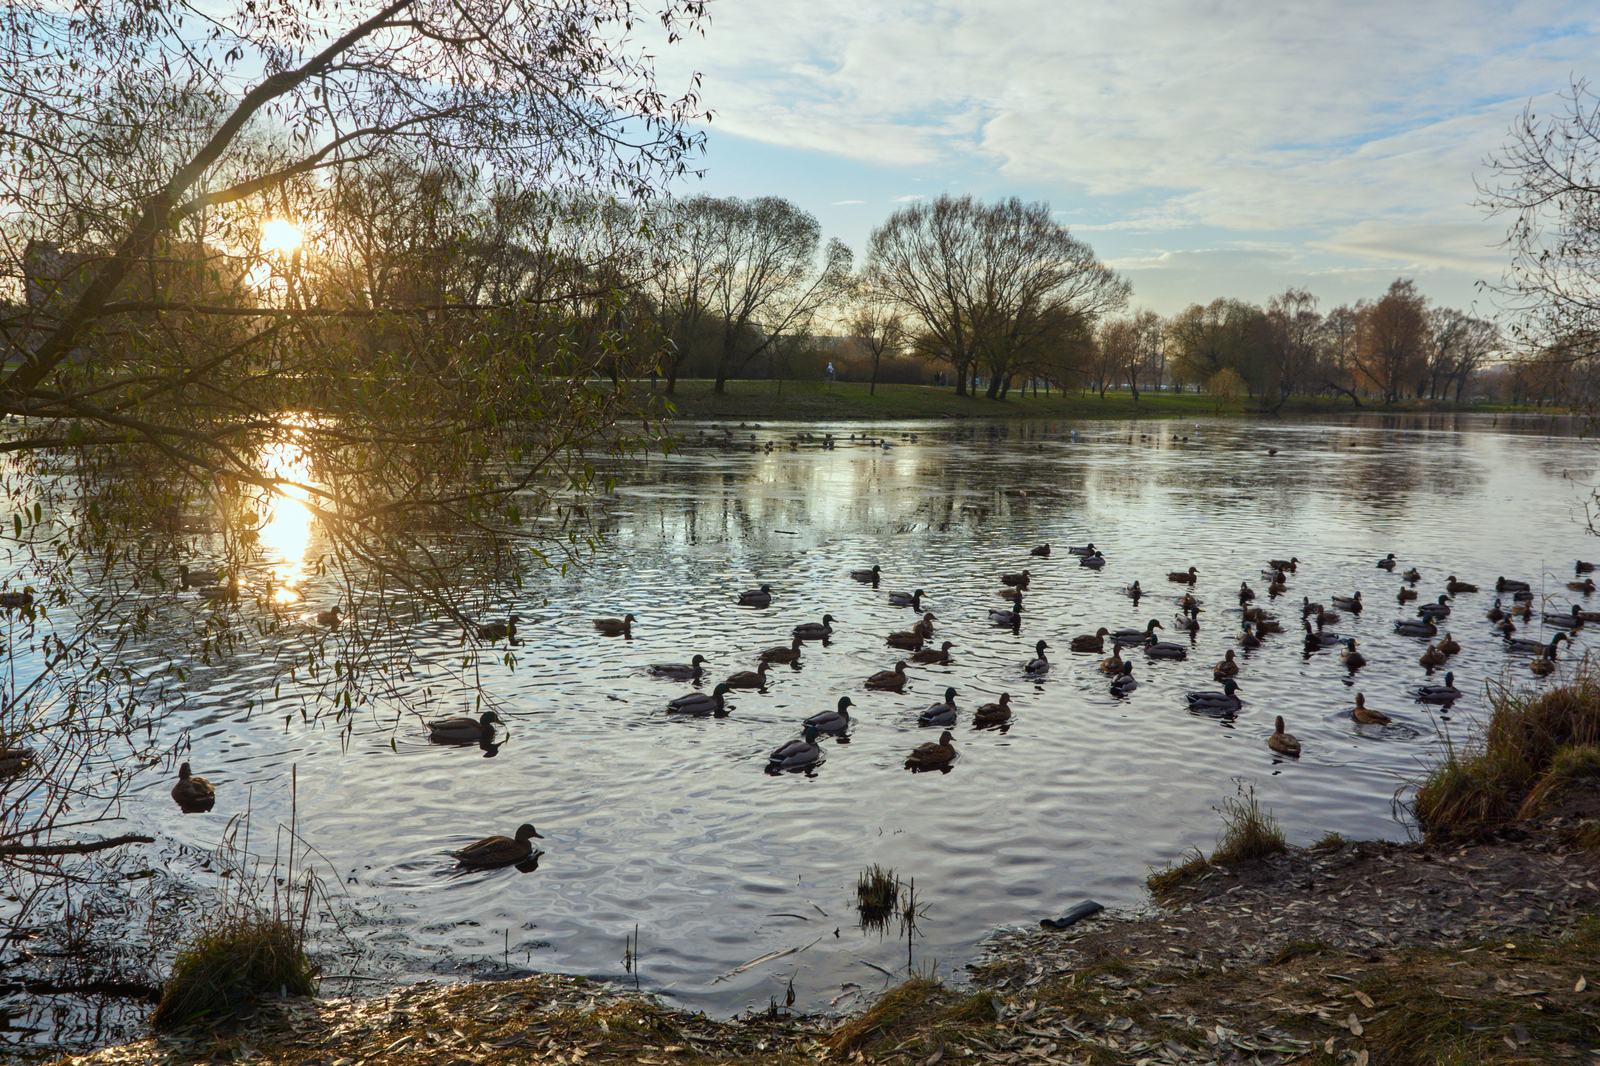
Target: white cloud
845,203
906,199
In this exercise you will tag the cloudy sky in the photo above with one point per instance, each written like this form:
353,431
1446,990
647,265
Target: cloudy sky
1203,147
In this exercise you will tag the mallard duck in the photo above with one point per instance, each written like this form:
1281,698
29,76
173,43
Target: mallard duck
756,678
1524,644
927,655
1012,618
1496,613
329,618
1093,562
781,654
1095,641
907,639
1348,603
904,599
494,632
1448,645
1133,591
993,713
614,627
15,760
799,754
1113,665
1366,715
1281,742
1186,621
1157,649
1124,682
932,755
1415,627
689,671
1432,657
1228,699
1183,577
1435,611
1505,627
942,713
1565,619
1291,564
1387,562
700,703
1247,637
1087,549
1043,549
1502,584
924,627
1454,586
499,851
1582,567
1352,659
1541,666
1246,593
1585,586
1188,602
1039,664
1319,638
814,630
1329,618
1414,575
13,600
1444,693
835,722
1136,636
761,597
1307,608
868,576
1277,588
463,730
194,794
1524,600
1266,623
893,680
195,578
1405,596
1019,581
221,593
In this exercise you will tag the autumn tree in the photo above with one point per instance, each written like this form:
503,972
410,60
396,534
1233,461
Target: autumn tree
1392,340
1224,334
1292,353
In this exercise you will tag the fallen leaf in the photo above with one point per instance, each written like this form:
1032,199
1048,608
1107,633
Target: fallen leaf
1581,985
1354,1025
1510,1043
1361,1057
1366,1000
1520,1031
935,1057
1327,1045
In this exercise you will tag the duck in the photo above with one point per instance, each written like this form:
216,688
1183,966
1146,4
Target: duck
867,576
1087,549
1453,585
1541,666
1188,577
1228,667
893,680
1278,587
493,632
1248,638
1019,581
940,657
993,713
1114,664
1505,627
1157,649
1226,700
1432,611
761,597
943,713
1307,608
1095,641
616,626
194,794
781,654
14,761
1448,645
1133,591
1041,550
1187,621
1405,595
1291,564
1189,603
756,678
1319,638
1348,603
1281,742
1444,693
924,627
700,703
1039,664
799,754
1266,623
1503,584
1012,618
219,593
814,630
1524,644
1432,657
902,599
463,730
1582,567
499,851
1496,613
195,578
1585,586
689,671
907,639
1387,562
835,722
1137,636
1565,619
14,600
1124,682
1415,627
932,755
1246,593
1366,715
1093,562
1352,659
1414,575
329,618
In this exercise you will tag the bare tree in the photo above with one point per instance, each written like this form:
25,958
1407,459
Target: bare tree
1392,341
1292,354
876,325
1337,344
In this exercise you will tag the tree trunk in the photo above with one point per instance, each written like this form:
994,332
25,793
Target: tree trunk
872,390
722,380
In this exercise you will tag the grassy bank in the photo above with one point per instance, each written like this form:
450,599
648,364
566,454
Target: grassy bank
812,401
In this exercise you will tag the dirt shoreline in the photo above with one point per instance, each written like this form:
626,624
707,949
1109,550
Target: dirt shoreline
1370,952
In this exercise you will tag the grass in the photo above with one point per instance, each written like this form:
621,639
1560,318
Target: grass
232,963
877,891
1249,834
1330,841
1534,745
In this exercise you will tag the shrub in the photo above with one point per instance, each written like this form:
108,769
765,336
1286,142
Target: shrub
232,962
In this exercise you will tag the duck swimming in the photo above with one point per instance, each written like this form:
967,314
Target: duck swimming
1348,603
1093,562
1246,593
1188,577
1087,549
943,713
782,654
1133,591
1281,742
932,755
1435,611
1292,564
1405,596
1448,645
329,618
756,678
761,597
616,627
904,599
993,713
690,671
799,754
1137,636
814,630
1012,618
1503,584
499,851
1352,659
1366,715
1248,638
1453,586
1495,613
1228,667
1157,649
464,730
700,703
1414,575
1019,581
1415,627
867,576
908,639
1433,657
1226,700
1445,693
194,578
1039,665
893,680
1124,682
1387,562
1524,644
1565,619
1319,638
1091,641
1043,549
835,722
194,794
941,657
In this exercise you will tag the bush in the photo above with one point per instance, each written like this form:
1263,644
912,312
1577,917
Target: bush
232,963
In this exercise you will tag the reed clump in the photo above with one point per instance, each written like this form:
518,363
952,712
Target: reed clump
232,962
1249,834
877,891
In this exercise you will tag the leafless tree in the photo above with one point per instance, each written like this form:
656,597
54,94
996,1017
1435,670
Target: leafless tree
1292,353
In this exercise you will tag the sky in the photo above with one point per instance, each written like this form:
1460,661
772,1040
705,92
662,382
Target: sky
1204,148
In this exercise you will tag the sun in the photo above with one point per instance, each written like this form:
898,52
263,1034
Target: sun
280,235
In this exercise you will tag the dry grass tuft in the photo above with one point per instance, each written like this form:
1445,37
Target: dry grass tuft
1250,834
877,891
902,1010
232,963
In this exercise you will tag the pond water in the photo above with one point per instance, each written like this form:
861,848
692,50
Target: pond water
669,826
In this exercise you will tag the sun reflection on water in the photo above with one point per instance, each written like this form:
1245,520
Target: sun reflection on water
285,533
